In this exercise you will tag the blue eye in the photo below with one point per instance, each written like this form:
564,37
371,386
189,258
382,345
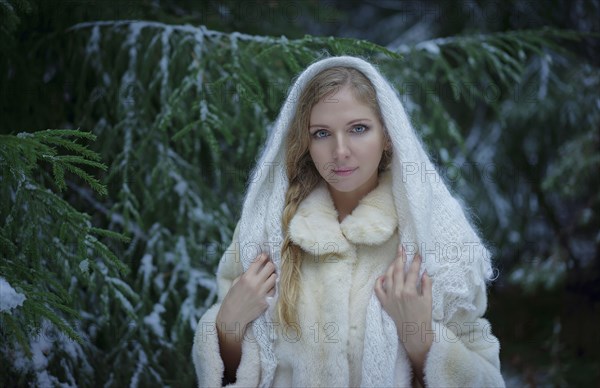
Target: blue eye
360,128
316,134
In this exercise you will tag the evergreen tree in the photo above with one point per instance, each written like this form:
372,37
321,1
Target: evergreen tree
175,115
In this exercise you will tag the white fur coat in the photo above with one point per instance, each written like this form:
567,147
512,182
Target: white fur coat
340,266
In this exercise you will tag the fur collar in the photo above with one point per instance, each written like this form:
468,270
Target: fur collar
373,221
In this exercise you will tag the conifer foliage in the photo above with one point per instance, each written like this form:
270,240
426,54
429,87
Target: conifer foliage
54,266
171,118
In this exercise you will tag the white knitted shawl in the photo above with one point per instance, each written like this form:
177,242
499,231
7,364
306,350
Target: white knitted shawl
430,221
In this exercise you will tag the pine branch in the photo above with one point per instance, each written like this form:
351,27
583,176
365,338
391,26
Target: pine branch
28,148
45,254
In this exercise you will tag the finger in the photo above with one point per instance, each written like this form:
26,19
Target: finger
413,272
398,269
270,282
426,285
235,281
387,279
379,290
267,270
258,262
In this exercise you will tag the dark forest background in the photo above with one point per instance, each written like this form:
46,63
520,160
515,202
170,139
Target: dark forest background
127,130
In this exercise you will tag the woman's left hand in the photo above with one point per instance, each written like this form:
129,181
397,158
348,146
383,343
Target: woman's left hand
408,306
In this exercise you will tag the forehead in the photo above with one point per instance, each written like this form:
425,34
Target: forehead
340,105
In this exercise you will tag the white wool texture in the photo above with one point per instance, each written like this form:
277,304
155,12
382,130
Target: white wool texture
431,221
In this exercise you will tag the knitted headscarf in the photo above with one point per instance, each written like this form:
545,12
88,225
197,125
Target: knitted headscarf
431,221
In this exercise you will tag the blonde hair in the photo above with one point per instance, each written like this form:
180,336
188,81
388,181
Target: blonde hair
302,174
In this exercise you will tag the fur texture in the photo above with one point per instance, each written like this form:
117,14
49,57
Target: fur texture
339,270
430,219
329,344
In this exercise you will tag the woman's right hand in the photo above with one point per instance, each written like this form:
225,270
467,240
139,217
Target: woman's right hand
247,297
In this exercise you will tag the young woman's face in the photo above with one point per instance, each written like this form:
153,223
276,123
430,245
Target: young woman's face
347,142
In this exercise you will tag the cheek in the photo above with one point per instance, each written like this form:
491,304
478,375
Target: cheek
380,145
317,152
312,154
370,149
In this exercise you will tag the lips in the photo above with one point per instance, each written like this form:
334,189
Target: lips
345,171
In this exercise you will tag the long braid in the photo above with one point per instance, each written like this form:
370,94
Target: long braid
303,180
290,260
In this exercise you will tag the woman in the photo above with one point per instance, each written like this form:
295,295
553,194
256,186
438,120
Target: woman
353,263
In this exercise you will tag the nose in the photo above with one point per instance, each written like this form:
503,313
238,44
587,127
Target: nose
342,149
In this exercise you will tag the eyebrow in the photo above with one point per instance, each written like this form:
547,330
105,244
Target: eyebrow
327,126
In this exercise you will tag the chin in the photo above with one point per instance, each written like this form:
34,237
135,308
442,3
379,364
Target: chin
345,187
351,183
